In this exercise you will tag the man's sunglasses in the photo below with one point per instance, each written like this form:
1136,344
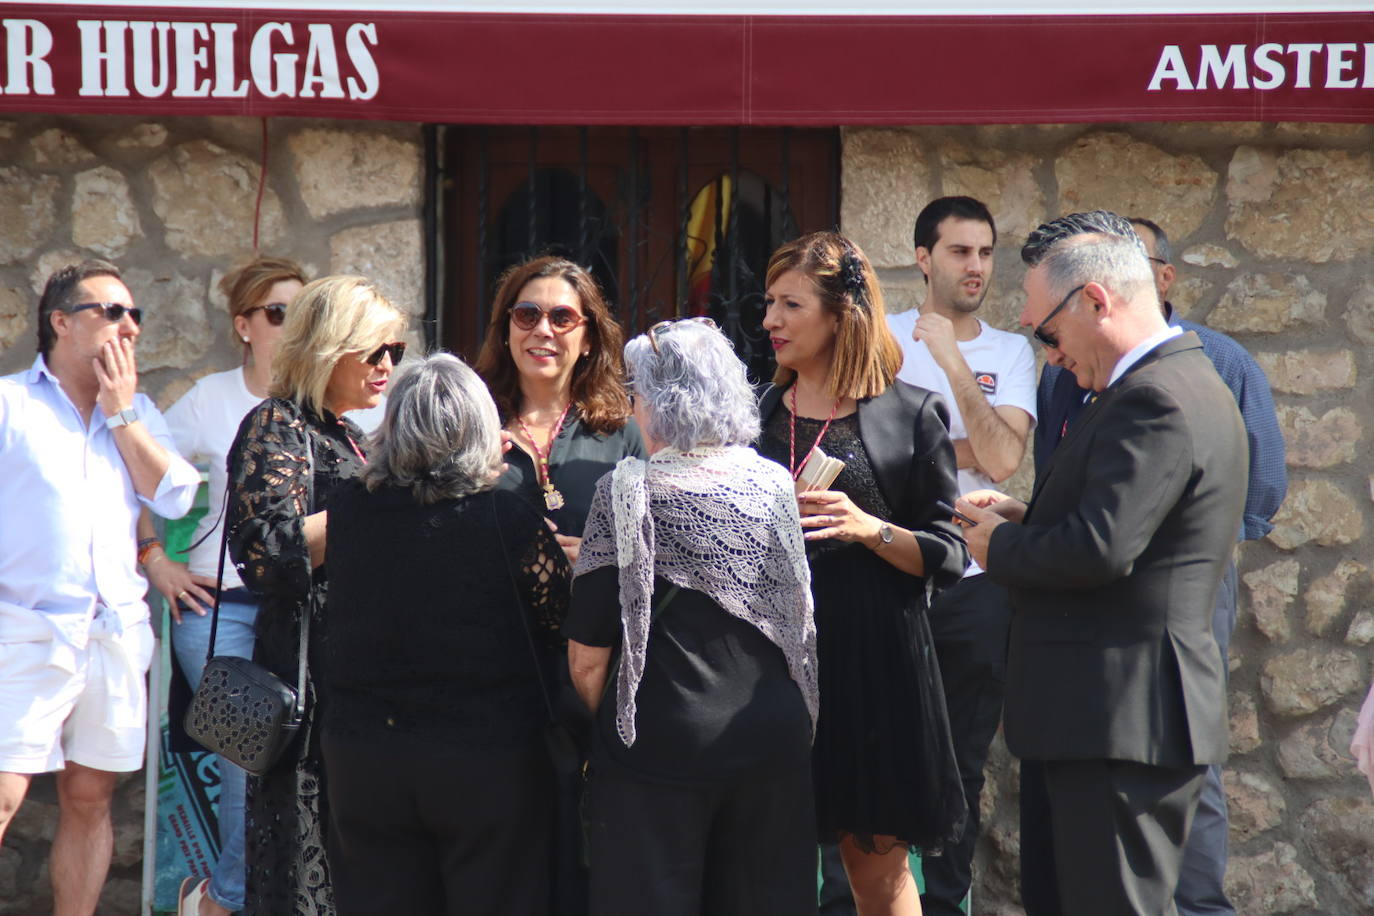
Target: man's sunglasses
562,318
112,311
275,312
1045,337
397,350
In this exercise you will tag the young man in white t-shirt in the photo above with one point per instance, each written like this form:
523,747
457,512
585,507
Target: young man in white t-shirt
987,377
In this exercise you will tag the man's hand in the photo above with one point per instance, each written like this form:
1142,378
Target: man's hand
989,509
178,585
938,333
116,370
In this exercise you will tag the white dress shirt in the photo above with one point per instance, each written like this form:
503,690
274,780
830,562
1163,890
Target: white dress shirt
1137,353
68,515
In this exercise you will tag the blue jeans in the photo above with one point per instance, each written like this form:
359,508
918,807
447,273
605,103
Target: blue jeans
190,638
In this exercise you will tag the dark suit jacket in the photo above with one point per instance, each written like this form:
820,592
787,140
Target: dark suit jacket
1114,571
905,431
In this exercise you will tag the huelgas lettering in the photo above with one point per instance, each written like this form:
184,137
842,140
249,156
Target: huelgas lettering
1268,66
187,60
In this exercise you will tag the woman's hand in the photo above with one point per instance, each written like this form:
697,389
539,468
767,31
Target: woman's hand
833,515
178,585
572,546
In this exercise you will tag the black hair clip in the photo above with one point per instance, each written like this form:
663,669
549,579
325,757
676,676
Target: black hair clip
852,278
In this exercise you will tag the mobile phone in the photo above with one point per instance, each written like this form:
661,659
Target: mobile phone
946,507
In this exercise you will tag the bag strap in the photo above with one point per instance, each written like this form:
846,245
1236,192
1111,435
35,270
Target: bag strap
522,612
219,578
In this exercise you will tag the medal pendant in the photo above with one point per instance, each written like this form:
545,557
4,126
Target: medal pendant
553,499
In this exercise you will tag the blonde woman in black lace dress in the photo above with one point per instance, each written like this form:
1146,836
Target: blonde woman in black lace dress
336,353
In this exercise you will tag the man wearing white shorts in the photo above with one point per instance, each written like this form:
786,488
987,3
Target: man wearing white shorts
80,451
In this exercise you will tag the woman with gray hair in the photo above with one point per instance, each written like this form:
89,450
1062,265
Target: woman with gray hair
693,566
440,786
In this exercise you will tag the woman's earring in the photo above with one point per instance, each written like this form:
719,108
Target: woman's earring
245,340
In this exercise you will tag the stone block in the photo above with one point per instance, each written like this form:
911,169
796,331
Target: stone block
341,170
1311,130
28,212
10,861
1306,205
34,823
1359,312
104,218
1254,804
1361,630
1338,832
44,266
1244,724
886,182
1309,371
1317,510
149,135
176,330
1272,883
1004,181
1320,749
391,255
15,311
1176,191
1272,590
205,197
121,897
1189,294
1319,442
55,147
1209,255
1326,598
8,130
1306,680
1268,303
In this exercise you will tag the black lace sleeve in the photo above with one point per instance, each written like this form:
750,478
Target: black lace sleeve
269,498
541,569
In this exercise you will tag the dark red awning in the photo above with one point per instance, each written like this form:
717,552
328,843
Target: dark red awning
444,64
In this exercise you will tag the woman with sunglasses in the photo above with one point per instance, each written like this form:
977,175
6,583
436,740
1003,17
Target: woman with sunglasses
203,422
292,453
552,361
883,763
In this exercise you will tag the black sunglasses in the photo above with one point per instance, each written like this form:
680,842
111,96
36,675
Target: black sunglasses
665,325
397,350
275,312
112,311
1045,337
562,318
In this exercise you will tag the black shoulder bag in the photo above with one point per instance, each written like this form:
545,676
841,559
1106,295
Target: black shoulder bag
240,710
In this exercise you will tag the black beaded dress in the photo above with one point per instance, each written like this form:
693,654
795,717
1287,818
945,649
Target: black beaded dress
883,761
270,494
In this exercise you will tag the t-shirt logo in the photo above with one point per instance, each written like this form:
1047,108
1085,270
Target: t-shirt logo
986,381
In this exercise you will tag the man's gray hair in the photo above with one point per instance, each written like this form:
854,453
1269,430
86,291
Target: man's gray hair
440,436
1097,246
695,388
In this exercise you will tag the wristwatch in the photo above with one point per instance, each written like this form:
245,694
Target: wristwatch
121,418
884,535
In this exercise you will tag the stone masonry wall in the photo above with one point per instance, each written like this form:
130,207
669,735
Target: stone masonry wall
1273,232
172,202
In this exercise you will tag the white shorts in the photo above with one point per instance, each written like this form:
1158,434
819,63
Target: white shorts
96,717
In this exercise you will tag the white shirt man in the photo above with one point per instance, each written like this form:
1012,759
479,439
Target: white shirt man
987,377
80,451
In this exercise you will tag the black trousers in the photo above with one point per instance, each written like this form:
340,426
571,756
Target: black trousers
742,848
416,827
971,623
1104,837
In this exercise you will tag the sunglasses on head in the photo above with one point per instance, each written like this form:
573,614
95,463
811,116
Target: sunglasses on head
1046,337
275,312
665,325
562,318
397,350
112,311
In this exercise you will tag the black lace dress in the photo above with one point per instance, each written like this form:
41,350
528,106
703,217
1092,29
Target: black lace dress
270,494
882,762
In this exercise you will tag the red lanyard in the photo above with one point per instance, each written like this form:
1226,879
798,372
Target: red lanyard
792,465
552,498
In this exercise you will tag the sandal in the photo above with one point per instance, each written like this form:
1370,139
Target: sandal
193,891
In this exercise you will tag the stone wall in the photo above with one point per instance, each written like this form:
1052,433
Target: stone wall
172,202
1273,228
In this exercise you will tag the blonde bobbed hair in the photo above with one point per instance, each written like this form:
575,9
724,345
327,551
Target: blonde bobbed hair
329,318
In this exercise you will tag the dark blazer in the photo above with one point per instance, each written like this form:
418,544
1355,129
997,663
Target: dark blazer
1114,572
905,431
